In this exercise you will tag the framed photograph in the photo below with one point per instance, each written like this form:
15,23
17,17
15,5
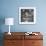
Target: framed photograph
27,15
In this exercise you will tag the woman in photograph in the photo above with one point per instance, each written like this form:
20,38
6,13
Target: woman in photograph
27,16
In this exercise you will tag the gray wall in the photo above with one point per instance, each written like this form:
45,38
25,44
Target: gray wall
10,8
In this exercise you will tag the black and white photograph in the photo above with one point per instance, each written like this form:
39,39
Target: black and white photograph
27,15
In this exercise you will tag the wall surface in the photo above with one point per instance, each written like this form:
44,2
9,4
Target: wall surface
10,8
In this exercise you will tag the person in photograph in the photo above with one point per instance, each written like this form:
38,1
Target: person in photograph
27,15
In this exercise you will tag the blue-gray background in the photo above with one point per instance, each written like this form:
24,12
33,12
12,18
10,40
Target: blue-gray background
10,8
